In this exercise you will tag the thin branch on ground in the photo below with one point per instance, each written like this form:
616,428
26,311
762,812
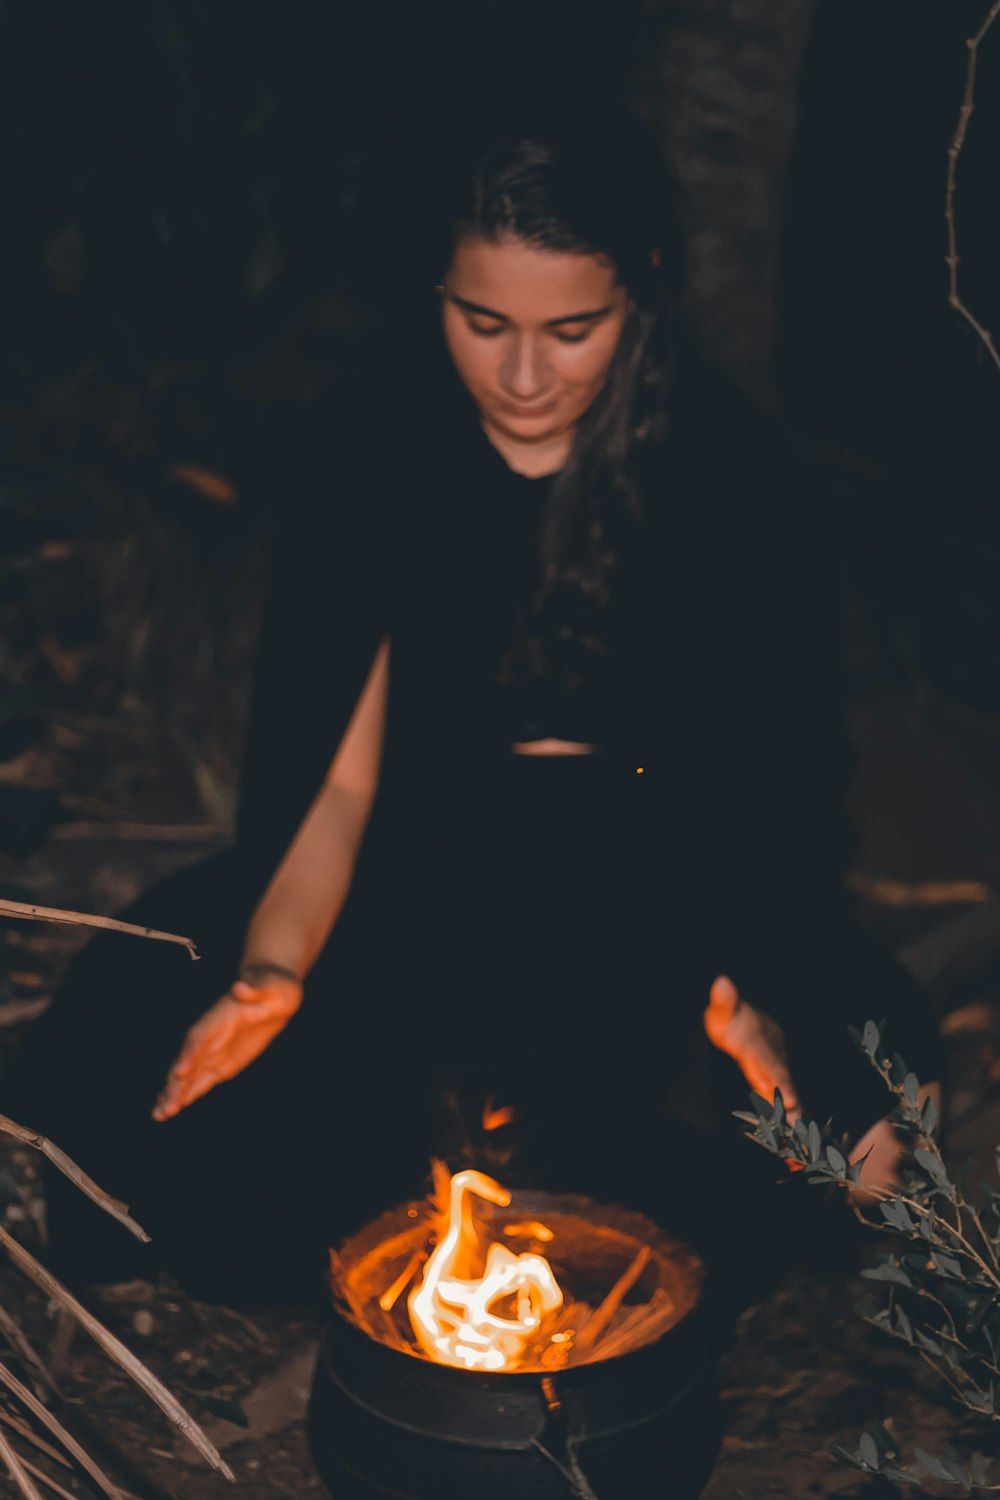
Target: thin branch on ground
76,1174
52,1424
17,1471
117,1351
954,152
23,1430
14,1334
49,1483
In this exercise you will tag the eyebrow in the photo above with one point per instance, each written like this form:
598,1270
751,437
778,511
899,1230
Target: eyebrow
488,312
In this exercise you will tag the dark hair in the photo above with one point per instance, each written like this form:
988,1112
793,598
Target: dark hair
595,184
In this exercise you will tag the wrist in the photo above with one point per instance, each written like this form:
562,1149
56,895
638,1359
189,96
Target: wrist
260,972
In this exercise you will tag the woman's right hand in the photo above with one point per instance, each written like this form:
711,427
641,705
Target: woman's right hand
226,1039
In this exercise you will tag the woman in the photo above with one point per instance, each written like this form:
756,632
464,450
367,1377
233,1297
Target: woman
546,750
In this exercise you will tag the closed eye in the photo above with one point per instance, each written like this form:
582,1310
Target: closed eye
484,330
565,337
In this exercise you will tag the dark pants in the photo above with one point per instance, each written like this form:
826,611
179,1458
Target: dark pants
618,1098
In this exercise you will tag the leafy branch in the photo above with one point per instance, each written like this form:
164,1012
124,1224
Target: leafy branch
942,1284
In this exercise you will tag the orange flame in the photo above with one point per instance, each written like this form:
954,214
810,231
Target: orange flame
452,1308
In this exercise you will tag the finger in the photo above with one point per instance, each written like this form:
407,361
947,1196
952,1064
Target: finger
175,1100
201,1084
168,1104
723,1003
174,1094
244,991
173,1087
723,999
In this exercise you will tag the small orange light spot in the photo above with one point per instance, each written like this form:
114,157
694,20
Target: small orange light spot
639,770
493,1118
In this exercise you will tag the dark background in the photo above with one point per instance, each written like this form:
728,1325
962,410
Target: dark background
207,207
205,211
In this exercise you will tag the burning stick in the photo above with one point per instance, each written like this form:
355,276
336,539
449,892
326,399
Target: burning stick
356,1303
391,1295
594,1328
31,913
626,1334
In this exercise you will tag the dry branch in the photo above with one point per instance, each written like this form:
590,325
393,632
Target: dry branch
28,912
23,1430
56,1489
13,1333
954,152
117,1351
58,1431
76,1174
17,1471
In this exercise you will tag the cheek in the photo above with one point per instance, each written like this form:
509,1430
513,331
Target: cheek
475,359
588,365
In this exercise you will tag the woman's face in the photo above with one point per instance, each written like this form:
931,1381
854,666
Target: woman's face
532,333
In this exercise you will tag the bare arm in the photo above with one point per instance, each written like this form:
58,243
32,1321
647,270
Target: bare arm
296,913
304,899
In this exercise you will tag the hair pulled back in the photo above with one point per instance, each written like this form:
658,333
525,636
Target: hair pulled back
588,183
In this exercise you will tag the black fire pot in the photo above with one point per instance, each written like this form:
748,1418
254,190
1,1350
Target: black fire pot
642,1425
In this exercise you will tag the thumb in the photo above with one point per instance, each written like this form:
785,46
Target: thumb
723,999
241,990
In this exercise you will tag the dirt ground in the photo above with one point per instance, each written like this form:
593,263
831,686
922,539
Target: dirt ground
804,1371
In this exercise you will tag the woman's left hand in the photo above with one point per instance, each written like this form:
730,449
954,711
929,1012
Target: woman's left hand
882,1148
757,1043
754,1040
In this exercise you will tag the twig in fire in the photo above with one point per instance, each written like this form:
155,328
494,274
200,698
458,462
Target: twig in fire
954,152
943,1287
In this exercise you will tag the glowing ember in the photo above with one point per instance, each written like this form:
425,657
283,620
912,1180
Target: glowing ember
453,1309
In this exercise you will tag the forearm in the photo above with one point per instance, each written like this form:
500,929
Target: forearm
301,905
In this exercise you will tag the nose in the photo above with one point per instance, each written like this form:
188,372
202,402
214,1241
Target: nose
524,371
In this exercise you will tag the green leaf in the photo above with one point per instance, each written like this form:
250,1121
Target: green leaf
870,1039
815,1143
932,1165
897,1214
910,1088
979,1467
929,1116
867,1451
932,1467
846,1457
887,1271
836,1161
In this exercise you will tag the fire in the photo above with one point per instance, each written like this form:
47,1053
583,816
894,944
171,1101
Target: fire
452,1310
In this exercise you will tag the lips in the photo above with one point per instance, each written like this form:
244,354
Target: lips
544,409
